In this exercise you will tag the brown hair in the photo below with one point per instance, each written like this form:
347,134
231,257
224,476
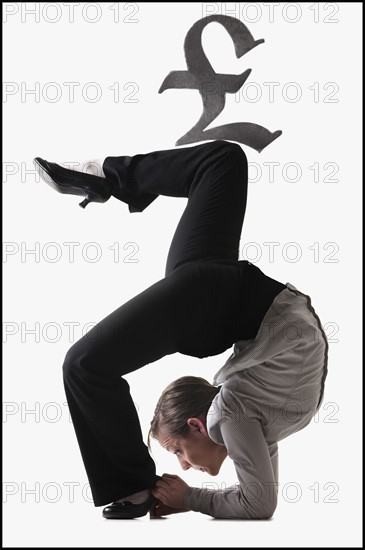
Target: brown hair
186,397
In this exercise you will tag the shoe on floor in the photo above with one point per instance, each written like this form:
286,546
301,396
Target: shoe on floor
128,510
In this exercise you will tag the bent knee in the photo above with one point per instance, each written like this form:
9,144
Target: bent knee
234,152
237,153
76,360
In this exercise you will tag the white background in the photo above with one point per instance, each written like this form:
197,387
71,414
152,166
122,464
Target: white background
319,468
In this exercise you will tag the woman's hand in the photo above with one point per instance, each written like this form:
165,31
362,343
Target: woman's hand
170,490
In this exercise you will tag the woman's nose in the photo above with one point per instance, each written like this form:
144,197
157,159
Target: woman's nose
184,464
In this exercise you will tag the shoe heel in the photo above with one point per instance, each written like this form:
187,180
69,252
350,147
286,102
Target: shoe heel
85,202
89,197
153,513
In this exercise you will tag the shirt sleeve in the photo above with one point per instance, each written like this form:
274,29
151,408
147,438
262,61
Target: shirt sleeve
256,464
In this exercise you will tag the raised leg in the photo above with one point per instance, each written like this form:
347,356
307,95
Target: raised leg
213,176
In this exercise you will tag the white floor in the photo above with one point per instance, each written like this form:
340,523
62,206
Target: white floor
81,525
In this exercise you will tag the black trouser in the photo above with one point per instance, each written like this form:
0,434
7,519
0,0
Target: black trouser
207,301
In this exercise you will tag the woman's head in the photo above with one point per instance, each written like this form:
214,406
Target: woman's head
179,424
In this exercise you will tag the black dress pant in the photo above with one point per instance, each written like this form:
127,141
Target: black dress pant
206,301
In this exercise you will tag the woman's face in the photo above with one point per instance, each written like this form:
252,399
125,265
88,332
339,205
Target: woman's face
195,450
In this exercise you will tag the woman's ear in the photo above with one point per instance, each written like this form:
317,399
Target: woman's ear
197,425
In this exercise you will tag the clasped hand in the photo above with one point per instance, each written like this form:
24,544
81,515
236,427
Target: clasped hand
170,490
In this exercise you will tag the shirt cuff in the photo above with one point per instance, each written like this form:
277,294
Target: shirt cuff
198,500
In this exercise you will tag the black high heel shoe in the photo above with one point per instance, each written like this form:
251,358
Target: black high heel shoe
128,510
94,188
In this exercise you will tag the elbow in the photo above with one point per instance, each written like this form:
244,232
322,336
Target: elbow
267,512
264,510
266,515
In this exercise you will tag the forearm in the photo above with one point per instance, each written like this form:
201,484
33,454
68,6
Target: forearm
230,503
